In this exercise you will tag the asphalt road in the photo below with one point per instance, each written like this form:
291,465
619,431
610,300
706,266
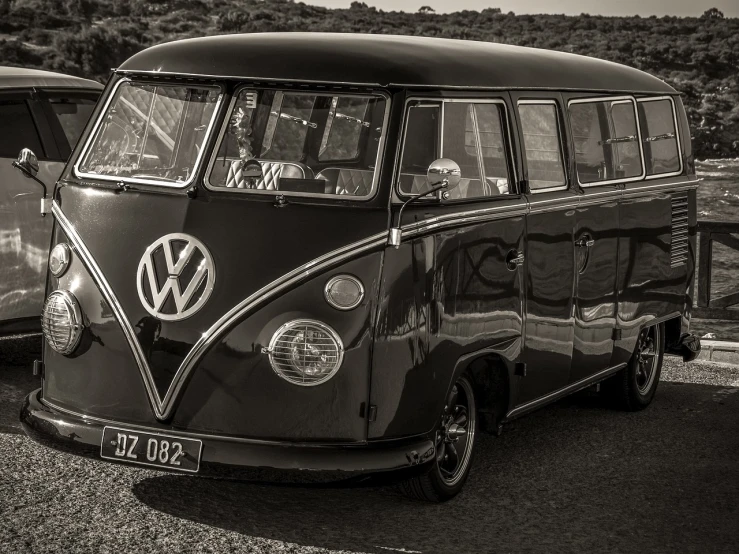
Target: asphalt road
573,477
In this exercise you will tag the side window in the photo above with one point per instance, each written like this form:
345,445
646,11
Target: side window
472,136
542,145
659,136
72,112
15,115
606,140
421,146
344,126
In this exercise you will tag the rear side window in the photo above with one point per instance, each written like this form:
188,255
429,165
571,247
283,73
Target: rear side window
19,129
659,136
606,140
472,135
542,145
72,113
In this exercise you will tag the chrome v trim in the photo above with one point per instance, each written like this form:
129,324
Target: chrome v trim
110,297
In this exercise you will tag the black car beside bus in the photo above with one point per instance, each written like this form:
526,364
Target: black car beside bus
352,254
46,113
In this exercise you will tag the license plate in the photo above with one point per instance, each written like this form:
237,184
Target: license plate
151,449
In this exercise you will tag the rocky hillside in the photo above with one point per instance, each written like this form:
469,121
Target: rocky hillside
698,56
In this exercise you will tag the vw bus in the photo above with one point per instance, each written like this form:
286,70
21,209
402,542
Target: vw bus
353,254
46,113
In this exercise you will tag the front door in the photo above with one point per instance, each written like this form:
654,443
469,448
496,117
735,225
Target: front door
452,288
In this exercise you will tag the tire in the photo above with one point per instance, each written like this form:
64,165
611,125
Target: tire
633,388
446,476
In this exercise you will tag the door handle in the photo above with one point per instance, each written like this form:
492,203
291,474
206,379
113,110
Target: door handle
514,259
585,242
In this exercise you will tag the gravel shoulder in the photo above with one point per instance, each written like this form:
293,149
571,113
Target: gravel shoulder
572,477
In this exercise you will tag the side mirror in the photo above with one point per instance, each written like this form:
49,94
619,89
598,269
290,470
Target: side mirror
446,171
27,163
442,176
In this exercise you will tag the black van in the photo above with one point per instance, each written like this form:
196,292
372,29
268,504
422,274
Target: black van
352,253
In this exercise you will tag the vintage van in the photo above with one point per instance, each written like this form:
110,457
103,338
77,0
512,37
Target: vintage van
45,112
353,253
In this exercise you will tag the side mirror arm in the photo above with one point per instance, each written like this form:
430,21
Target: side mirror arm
44,200
396,234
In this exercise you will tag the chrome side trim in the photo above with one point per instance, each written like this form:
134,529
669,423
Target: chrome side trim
115,305
556,395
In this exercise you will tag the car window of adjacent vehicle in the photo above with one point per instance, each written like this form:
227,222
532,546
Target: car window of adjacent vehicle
313,144
659,136
542,144
153,134
472,135
72,113
606,140
18,129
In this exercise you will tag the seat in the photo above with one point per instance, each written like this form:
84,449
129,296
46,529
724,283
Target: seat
272,172
352,182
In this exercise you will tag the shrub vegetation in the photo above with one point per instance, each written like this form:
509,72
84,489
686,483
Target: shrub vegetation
699,56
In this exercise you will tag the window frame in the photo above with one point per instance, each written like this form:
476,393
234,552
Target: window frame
508,145
611,100
136,180
677,136
308,91
560,135
41,125
46,96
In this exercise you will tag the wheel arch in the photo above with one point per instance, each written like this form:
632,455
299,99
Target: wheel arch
491,375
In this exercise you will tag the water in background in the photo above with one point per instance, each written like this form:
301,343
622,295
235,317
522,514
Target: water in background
718,200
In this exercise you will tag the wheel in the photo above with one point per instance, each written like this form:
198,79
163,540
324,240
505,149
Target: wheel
455,440
633,387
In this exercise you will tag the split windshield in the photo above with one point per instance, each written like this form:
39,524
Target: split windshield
305,143
151,134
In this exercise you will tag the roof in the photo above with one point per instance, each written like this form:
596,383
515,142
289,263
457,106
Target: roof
386,60
18,77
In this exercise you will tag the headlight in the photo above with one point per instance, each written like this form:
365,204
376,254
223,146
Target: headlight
305,352
59,259
62,321
344,292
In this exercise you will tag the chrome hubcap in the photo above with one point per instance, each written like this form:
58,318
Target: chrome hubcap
646,358
457,433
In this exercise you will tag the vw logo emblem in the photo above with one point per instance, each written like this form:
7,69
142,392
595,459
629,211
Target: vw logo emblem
175,261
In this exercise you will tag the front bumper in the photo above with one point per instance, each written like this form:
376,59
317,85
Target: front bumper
232,457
